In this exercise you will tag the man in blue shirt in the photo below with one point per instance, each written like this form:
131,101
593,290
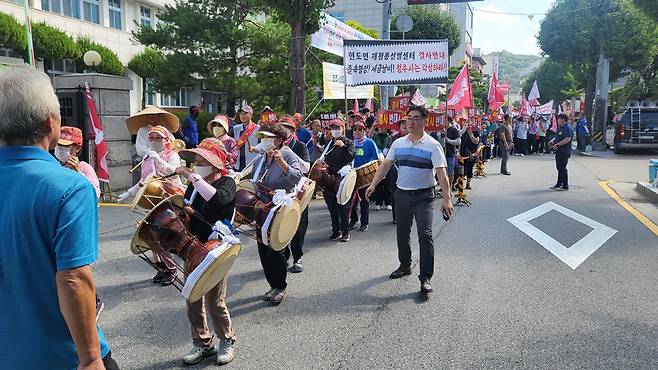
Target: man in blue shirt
582,131
561,143
190,128
49,225
303,134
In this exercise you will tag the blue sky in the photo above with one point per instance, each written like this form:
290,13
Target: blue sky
514,33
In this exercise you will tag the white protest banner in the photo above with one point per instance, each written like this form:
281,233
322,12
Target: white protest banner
332,33
333,84
377,62
545,109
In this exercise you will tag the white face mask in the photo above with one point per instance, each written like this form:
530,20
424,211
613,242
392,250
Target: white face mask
62,153
267,143
336,132
203,171
218,131
157,146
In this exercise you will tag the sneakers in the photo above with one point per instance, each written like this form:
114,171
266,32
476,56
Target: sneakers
378,208
345,237
564,188
555,187
197,354
401,272
297,267
334,236
425,287
352,224
363,228
225,352
506,173
389,208
267,296
277,297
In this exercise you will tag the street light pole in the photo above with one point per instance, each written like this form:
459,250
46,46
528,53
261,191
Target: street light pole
386,35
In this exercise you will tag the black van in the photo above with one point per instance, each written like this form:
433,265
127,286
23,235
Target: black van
636,128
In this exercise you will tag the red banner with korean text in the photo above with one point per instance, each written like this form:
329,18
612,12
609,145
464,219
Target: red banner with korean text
269,117
388,120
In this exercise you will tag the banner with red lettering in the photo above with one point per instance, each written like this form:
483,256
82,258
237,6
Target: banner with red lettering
388,120
269,117
399,103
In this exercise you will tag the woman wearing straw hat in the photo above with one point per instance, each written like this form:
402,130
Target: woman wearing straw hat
279,168
211,195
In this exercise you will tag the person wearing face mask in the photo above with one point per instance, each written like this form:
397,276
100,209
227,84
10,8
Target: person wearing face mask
160,161
365,150
211,195
339,152
67,152
218,128
279,168
297,242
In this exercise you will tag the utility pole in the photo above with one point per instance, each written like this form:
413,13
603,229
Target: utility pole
386,35
602,89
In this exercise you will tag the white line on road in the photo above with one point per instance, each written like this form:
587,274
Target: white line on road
578,252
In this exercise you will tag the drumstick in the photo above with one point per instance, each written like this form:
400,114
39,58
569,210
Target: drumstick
136,166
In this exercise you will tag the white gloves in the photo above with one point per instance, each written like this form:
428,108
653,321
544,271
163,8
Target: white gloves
153,154
123,197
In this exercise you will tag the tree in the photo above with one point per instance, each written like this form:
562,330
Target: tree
555,80
110,63
574,32
650,7
430,23
201,39
12,33
146,65
53,43
303,17
359,27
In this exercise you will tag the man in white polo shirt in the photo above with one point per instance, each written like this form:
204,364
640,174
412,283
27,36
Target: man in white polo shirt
420,162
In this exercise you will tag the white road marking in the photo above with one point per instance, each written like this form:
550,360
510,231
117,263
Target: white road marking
578,252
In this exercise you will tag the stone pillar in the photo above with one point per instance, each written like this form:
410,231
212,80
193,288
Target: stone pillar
112,99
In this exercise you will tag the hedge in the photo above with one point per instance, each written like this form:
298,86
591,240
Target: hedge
110,63
52,43
12,33
147,63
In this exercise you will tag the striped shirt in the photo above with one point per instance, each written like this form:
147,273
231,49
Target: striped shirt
416,161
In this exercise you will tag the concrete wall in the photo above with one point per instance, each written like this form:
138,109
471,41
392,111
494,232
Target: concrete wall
112,100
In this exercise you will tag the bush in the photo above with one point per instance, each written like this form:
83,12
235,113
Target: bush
12,33
147,63
52,43
110,63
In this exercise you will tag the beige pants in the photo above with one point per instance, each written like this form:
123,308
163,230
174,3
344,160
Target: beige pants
214,303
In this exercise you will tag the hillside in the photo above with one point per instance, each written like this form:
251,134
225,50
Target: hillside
513,67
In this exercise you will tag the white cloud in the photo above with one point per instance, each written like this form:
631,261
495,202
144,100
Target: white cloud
528,46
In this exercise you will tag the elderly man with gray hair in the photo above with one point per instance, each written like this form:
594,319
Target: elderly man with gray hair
49,223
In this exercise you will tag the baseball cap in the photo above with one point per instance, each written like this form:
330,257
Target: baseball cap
70,135
247,109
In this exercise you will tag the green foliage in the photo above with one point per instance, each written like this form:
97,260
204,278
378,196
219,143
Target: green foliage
202,122
574,32
430,23
110,63
555,80
308,13
52,43
12,33
515,68
368,31
147,63
650,7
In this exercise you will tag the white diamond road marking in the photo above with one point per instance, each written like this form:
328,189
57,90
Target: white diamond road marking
578,252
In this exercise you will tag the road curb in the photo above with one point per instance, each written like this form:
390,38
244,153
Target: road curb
648,191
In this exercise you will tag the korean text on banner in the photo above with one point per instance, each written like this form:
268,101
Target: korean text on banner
388,120
333,77
382,62
332,33
545,109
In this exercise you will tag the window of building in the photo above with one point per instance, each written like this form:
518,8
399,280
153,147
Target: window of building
181,98
59,67
149,93
9,53
114,10
69,8
145,16
338,15
90,11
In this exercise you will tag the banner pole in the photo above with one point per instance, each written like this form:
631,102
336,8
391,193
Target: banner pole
316,107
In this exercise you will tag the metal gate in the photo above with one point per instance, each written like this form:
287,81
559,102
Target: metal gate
73,112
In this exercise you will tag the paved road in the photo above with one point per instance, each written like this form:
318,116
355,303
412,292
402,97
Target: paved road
501,299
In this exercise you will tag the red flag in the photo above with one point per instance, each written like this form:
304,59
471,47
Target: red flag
370,104
356,106
101,146
493,89
461,94
503,88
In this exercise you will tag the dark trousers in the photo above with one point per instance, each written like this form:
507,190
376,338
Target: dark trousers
109,362
339,214
580,141
297,242
468,168
541,142
417,204
504,155
561,161
363,205
521,146
532,142
274,266
382,193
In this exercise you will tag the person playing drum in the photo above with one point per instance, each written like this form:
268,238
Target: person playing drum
279,168
160,161
297,242
218,127
365,150
211,195
339,152
67,152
